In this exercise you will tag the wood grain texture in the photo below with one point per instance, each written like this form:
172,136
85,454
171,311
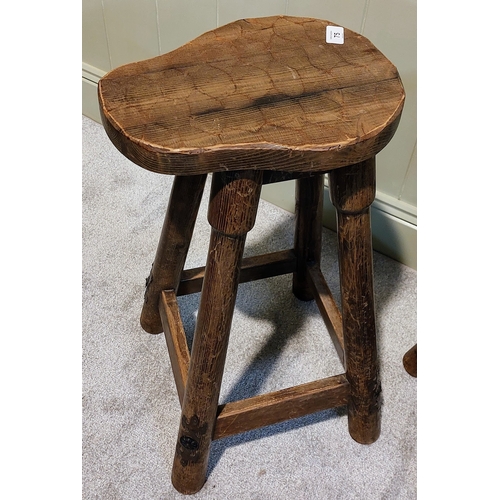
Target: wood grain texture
279,406
252,268
259,100
175,336
352,190
328,308
264,94
173,246
232,210
308,231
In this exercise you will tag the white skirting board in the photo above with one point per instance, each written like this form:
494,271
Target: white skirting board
90,105
394,224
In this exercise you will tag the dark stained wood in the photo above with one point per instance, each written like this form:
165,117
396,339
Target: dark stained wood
286,404
252,268
410,361
266,94
272,176
185,198
253,102
308,231
352,190
176,340
328,308
233,206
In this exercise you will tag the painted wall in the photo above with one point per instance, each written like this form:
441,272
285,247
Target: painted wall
116,32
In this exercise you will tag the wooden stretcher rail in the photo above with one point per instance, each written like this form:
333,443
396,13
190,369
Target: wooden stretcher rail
259,411
279,406
252,268
328,308
176,339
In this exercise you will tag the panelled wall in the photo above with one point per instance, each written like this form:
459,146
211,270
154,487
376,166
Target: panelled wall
116,32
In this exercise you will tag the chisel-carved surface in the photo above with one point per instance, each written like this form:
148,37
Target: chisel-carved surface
266,93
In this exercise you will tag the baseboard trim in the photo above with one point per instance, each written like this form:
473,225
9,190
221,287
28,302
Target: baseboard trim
90,77
392,235
92,73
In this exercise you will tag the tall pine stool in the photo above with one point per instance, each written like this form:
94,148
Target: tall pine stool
254,102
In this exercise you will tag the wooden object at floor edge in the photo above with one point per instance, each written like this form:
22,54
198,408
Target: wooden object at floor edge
410,361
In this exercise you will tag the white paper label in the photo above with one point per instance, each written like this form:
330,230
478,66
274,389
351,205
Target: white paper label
334,34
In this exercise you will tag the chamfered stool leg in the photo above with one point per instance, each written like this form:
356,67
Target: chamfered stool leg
176,234
308,230
233,207
352,190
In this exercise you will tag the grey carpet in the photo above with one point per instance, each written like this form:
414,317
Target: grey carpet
130,407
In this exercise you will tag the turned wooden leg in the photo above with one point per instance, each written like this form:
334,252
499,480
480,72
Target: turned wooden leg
308,231
232,211
352,190
173,247
410,361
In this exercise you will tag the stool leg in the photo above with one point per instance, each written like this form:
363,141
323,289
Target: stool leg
410,361
173,247
308,230
352,190
232,211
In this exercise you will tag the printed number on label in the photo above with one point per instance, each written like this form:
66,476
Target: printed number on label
334,34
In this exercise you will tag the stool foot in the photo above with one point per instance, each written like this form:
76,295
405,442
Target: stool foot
173,247
308,231
410,361
233,207
352,190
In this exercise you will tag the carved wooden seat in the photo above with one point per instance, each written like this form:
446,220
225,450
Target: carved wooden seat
257,101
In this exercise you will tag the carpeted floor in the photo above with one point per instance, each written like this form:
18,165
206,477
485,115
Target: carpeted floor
130,406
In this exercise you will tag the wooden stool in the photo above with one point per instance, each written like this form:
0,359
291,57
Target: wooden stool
253,102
